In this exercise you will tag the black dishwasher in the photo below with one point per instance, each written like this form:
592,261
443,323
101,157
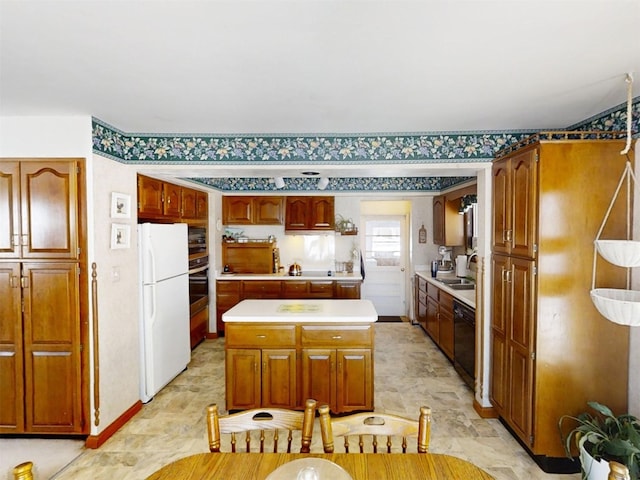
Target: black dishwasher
464,343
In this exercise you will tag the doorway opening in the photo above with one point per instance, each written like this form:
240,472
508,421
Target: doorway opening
385,247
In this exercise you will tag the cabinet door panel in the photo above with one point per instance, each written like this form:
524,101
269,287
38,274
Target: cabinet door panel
319,375
501,205
49,193
202,205
355,380
172,205
52,347
498,386
268,210
323,213
9,209
236,210
243,378
149,197
520,410
11,353
523,220
297,213
188,203
438,219
279,378
432,323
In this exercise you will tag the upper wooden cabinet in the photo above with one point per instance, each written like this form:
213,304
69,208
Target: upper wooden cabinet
252,210
310,213
448,224
39,209
194,204
159,200
515,204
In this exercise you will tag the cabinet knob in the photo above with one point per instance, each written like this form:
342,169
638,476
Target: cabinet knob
261,336
336,337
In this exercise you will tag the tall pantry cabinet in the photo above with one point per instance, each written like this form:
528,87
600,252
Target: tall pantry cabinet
551,349
42,287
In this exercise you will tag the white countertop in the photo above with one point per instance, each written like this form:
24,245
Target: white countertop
343,277
302,311
466,296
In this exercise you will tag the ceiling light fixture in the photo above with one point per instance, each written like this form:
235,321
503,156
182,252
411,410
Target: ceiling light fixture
279,182
323,183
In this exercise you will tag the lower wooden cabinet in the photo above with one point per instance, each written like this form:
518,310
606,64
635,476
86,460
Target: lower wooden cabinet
434,311
260,378
40,348
283,365
337,366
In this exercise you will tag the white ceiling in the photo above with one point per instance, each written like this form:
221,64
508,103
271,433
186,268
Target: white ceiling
318,66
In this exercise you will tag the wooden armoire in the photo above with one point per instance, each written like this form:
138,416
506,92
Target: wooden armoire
43,307
551,350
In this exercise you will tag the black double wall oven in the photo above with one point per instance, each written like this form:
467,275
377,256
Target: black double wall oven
198,270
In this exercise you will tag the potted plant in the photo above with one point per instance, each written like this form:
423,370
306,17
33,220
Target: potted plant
605,437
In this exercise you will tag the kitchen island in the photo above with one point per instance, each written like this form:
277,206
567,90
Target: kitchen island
231,288
278,353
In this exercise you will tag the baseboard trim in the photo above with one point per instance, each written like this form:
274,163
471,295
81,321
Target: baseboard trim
484,412
94,441
211,335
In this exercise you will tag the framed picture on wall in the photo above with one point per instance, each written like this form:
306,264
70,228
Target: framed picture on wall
120,205
120,235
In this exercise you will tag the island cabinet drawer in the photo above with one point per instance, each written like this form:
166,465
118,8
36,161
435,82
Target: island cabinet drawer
258,336
338,336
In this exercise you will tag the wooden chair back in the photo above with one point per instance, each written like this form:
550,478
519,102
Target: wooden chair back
256,422
373,425
618,471
23,471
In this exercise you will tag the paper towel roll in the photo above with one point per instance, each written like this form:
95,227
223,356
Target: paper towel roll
461,266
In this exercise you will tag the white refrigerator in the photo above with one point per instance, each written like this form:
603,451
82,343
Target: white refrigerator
164,312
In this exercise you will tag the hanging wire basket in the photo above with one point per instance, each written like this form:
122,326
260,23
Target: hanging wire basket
618,305
623,253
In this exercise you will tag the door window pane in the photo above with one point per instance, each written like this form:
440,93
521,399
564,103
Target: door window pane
382,243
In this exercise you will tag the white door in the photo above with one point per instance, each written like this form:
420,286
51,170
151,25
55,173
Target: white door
384,249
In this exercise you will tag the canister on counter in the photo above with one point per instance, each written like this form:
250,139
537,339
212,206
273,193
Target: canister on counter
434,268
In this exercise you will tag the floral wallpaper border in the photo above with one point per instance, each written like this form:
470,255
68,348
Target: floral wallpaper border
419,148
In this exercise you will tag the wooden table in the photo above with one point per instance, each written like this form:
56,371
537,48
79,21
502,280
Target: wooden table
361,466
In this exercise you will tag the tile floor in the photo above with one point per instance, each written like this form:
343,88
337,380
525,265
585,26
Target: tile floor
409,371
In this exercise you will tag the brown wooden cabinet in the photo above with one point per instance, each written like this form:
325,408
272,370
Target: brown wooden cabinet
448,224
252,210
515,194
547,337
162,201
334,370
310,213
42,267
261,366
348,290
228,294
434,310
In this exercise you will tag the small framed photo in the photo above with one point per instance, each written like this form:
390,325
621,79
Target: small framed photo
120,235
120,205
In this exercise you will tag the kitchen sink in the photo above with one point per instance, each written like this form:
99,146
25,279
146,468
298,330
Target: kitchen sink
458,283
